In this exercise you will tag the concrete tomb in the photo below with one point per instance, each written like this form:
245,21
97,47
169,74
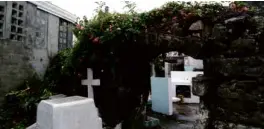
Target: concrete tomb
181,82
61,112
161,95
68,113
164,91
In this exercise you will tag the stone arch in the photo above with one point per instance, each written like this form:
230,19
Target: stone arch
223,42
232,55
223,63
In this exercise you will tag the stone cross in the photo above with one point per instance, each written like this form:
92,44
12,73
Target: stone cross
89,82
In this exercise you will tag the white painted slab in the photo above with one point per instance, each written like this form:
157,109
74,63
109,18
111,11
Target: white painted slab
161,95
68,113
183,75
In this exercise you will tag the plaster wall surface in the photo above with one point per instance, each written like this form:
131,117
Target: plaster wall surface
37,38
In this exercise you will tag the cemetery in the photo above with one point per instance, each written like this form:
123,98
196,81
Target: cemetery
117,74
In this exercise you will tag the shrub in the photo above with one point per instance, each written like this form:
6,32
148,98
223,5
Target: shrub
60,76
20,106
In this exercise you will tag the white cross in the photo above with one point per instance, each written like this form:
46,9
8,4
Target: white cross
89,82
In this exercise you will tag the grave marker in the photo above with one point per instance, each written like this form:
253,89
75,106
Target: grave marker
67,113
89,82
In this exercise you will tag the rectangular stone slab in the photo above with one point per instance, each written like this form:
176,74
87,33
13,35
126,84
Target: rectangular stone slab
161,95
68,113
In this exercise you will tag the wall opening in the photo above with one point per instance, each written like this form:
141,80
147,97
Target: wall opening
184,90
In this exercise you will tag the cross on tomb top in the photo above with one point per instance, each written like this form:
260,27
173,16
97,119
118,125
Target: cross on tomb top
89,82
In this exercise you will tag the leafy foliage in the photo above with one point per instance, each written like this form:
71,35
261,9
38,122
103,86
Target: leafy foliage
56,77
19,108
159,66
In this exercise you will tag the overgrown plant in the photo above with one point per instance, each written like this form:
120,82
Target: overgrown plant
19,108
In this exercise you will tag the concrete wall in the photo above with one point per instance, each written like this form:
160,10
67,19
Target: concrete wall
53,35
19,59
37,38
14,57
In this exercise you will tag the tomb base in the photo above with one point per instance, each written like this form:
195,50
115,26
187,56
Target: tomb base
68,113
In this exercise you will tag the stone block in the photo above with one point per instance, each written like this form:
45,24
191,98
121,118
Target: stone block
242,48
151,122
68,113
239,112
250,67
247,90
200,85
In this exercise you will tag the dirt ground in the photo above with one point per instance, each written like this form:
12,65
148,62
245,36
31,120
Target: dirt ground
183,117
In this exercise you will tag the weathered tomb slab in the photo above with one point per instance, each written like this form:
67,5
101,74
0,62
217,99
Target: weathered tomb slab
161,95
68,113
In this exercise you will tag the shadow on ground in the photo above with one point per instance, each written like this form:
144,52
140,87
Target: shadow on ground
184,117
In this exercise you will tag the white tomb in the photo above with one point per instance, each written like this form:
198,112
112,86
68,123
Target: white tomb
60,112
184,78
68,113
161,95
72,112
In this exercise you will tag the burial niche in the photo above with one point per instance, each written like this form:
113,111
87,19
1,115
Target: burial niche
184,90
